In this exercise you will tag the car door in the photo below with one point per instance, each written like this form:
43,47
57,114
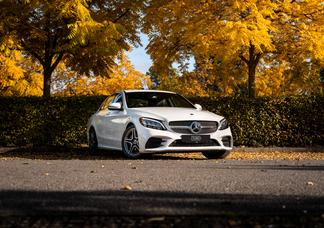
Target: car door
113,124
116,121
100,122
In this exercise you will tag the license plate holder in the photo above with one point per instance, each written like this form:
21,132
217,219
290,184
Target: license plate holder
197,139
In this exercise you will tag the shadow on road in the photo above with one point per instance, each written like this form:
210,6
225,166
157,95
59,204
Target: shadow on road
156,209
142,203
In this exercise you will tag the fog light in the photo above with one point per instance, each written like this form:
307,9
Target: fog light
153,143
227,141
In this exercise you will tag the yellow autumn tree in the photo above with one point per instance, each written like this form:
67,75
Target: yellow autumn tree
278,76
224,32
122,76
178,82
86,34
19,76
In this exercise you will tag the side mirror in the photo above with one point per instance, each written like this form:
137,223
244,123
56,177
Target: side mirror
115,106
198,107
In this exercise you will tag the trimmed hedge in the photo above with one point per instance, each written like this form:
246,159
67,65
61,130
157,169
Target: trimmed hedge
264,121
38,121
290,121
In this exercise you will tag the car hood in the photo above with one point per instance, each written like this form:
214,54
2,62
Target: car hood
174,114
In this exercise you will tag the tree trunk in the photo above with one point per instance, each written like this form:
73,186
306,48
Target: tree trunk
252,63
47,81
251,80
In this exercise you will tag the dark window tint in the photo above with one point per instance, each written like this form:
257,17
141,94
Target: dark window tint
156,99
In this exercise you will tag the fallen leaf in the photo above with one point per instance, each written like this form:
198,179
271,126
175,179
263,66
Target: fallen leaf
310,183
134,167
232,222
127,187
156,219
46,174
102,166
92,171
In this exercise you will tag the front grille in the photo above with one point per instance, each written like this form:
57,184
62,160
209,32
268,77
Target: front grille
179,143
183,127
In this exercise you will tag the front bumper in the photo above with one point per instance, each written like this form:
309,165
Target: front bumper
169,141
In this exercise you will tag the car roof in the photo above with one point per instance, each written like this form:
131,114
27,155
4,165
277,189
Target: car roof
141,90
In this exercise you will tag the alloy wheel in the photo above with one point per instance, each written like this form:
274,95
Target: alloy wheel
130,142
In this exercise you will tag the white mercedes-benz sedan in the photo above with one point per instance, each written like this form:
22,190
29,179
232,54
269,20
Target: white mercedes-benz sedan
151,121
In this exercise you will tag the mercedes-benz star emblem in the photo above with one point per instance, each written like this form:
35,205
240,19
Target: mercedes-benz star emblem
195,127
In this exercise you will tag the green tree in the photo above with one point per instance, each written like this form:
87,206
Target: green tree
87,35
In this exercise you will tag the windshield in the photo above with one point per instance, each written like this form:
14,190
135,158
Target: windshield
156,99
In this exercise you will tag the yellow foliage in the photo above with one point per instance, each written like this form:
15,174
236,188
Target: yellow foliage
228,31
283,78
86,35
18,76
180,84
122,76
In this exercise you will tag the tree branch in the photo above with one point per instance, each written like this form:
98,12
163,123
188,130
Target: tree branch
38,57
257,57
244,59
121,16
57,61
251,50
33,53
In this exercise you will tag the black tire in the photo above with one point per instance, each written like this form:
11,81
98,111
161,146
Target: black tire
130,143
93,142
217,154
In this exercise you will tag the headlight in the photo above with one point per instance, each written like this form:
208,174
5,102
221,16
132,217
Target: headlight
152,123
223,124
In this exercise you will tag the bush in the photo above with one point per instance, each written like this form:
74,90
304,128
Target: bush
38,121
264,121
290,121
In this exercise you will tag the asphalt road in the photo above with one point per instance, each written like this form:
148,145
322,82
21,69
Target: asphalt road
160,187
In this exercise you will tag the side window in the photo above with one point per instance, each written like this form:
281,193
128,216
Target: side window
106,103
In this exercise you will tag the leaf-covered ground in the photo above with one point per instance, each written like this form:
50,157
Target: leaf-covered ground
259,155
56,153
